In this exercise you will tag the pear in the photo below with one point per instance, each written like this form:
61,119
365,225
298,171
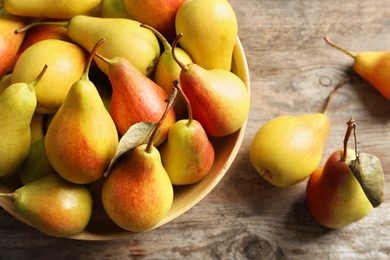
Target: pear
81,138
210,28
9,41
54,206
5,82
37,126
137,192
66,62
373,66
288,148
17,106
135,98
36,165
62,9
124,38
335,197
220,100
187,155
167,70
113,9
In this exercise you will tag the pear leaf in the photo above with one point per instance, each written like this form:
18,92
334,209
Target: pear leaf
368,171
137,134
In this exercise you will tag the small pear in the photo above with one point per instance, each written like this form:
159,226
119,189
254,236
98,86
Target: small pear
37,126
66,62
220,100
135,97
82,138
210,28
54,206
167,71
288,148
373,66
113,9
188,154
335,197
137,192
17,106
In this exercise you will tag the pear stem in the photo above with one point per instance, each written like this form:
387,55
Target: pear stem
351,126
177,84
330,97
174,44
33,84
28,26
167,46
353,55
90,58
7,195
170,103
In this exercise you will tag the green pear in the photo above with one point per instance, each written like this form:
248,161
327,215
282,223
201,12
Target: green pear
113,9
373,66
288,148
81,138
5,82
36,165
167,71
37,126
66,62
137,192
220,100
17,106
188,154
54,206
62,9
210,28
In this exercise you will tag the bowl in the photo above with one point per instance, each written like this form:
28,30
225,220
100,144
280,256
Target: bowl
101,227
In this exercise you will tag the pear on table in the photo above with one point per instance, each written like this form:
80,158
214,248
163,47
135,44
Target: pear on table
373,66
281,145
334,196
53,205
82,138
187,155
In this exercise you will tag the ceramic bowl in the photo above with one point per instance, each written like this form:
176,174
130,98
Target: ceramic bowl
226,149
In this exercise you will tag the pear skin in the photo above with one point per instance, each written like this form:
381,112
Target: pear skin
5,82
113,9
334,196
210,30
54,206
37,126
137,193
287,149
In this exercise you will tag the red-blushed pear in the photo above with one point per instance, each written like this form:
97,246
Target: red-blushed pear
135,97
160,14
187,155
9,41
373,66
334,196
137,192
220,100
82,138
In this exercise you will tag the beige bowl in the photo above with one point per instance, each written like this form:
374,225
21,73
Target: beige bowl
226,148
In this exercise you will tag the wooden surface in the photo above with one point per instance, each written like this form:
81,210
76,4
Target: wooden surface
292,71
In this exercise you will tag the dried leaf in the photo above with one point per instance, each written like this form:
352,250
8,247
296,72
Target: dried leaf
369,173
136,135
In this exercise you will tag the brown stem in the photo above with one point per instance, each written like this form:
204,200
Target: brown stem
177,84
351,126
90,58
174,44
353,55
330,97
28,26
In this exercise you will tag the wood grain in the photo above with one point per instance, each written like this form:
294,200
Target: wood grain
292,71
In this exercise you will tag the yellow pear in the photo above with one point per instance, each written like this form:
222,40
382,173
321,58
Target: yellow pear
113,9
66,62
210,30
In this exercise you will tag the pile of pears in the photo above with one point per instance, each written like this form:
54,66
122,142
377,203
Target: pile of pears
119,93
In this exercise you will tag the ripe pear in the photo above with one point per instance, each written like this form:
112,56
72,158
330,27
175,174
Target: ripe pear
17,106
288,148
167,71
9,41
187,155
124,38
82,138
373,66
137,192
5,82
36,165
66,62
220,100
210,28
54,206
63,9
113,9
135,98
159,14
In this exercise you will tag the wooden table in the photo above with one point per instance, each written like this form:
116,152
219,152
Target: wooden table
292,71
